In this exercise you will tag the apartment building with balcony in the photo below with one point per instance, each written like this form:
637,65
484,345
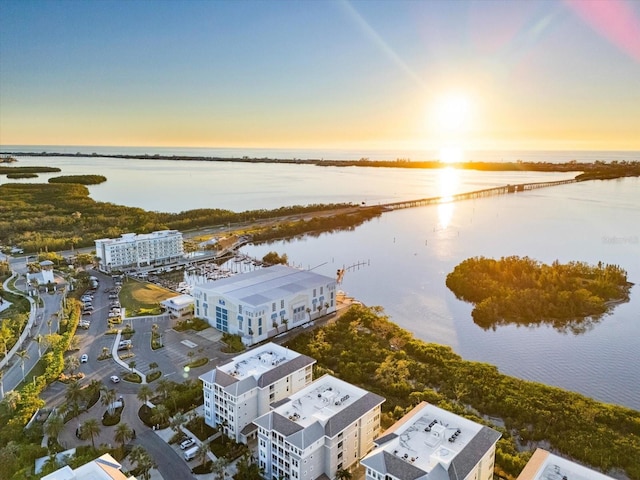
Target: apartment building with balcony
325,427
430,443
238,392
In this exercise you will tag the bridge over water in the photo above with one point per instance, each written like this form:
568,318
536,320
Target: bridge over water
487,192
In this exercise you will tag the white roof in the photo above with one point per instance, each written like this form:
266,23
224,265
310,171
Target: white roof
547,466
258,361
102,468
320,401
264,285
179,301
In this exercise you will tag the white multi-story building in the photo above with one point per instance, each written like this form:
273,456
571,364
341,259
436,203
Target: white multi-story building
325,427
547,466
132,251
260,304
430,443
241,390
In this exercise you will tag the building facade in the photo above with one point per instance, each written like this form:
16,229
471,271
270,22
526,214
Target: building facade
547,466
261,304
433,444
238,392
132,251
325,427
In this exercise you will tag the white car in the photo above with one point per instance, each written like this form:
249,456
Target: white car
115,379
187,443
84,358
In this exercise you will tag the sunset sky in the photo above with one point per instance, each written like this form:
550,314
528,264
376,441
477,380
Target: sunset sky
321,74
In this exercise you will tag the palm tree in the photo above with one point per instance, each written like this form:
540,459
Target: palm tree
285,322
161,415
153,366
24,356
219,468
164,387
11,399
248,469
132,365
343,474
39,340
177,421
144,394
123,434
89,430
54,425
71,364
108,400
143,461
73,394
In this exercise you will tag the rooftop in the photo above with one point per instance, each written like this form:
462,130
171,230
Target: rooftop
547,466
320,401
129,237
258,361
179,301
429,437
261,286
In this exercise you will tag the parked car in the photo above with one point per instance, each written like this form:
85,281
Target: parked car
84,324
84,358
187,443
114,379
87,312
124,344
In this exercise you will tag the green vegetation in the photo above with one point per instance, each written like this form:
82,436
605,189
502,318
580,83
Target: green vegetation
142,298
153,376
197,324
57,216
17,449
132,377
527,292
226,447
80,179
200,429
365,348
233,343
12,320
17,176
272,258
14,170
198,362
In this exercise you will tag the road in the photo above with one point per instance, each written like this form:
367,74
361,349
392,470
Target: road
46,322
169,466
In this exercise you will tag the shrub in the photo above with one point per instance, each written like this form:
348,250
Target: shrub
132,377
153,376
233,343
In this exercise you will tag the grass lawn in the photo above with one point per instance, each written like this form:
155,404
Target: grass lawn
142,298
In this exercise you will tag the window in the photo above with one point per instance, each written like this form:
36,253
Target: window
281,303
314,292
273,307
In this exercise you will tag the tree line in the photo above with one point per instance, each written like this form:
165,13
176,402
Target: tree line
60,216
365,348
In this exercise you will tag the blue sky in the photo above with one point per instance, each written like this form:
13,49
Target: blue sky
369,74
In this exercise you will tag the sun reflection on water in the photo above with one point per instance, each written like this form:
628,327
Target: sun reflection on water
448,180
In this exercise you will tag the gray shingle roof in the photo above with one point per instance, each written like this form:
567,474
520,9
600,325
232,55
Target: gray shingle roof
385,438
223,379
283,425
284,369
477,448
350,414
400,468
307,436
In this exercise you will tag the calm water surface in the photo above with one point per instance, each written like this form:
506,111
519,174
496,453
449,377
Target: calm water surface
408,253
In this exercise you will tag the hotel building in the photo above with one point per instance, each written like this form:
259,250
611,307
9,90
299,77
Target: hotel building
241,390
433,444
325,427
260,304
547,466
132,251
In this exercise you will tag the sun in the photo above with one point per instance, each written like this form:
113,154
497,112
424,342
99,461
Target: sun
453,114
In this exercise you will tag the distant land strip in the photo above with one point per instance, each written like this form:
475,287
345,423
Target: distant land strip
604,170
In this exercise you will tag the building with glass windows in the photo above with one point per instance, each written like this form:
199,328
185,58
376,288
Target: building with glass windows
132,251
263,303
322,429
238,392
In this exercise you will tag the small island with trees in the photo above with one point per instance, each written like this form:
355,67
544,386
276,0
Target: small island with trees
81,179
526,292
